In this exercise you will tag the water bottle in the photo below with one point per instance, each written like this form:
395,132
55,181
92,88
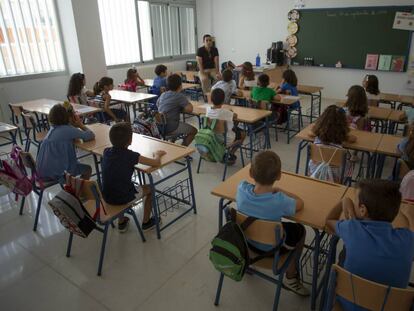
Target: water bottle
258,60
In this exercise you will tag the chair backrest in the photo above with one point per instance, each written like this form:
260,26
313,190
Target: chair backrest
316,152
28,160
260,104
28,120
16,110
371,295
190,76
262,231
87,191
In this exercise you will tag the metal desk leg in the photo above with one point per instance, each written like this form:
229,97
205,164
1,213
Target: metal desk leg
288,125
251,134
13,136
331,259
98,174
267,133
221,211
301,145
190,175
311,111
314,294
154,205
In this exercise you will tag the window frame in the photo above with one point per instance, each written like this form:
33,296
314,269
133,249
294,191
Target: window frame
46,74
157,60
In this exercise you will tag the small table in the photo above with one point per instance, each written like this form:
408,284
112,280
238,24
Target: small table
319,199
248,116
366,142
130,99
8,129
185,85
163,200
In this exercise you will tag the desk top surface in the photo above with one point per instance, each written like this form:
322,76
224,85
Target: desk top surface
129,97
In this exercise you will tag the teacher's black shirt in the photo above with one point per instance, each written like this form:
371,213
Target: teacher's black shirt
208,57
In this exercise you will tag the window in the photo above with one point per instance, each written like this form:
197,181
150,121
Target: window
141,31
119,31
29,38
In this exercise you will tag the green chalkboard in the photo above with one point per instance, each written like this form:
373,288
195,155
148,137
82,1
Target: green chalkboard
349,34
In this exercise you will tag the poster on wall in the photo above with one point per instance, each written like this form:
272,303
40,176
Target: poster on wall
404,21
384,62
410,73
371,61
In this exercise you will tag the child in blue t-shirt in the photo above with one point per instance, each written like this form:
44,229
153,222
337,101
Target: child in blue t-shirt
265,201
160,82
118,165
374,249
289,86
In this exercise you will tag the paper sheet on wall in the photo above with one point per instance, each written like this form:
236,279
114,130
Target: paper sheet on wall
404,21
410,73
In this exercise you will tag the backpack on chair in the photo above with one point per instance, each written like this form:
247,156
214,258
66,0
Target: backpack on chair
67,206
206,143
230,252
324,169
13,175
146,125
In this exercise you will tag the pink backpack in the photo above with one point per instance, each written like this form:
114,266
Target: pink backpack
13,174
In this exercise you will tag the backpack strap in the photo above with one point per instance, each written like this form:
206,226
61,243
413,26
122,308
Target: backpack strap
98,202
266,254
213,124
331,158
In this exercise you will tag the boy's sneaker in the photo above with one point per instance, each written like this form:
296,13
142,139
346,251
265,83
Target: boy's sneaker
150,224
123,226
296,286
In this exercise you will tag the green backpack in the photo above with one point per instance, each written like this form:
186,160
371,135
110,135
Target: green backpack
206,143
230,253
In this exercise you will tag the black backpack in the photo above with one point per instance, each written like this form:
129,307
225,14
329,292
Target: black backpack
229,253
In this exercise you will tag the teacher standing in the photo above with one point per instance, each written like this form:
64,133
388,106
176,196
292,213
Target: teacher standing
208,63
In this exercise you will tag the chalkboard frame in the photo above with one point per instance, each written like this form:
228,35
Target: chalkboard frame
393,7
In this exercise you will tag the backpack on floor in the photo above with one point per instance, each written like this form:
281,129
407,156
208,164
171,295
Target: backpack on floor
229,253
147,126
67,206
324,170
206,143
13,175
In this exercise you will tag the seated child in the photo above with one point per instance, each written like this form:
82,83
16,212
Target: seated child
217,112
264,200
331,129
247,78
228,85
133,80
77,91
172,103
102,88
374,249
262,92
160,81
57,152
370,84
356,108
118,165
406,147
289,86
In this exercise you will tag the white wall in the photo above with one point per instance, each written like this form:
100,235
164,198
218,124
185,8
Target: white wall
245,27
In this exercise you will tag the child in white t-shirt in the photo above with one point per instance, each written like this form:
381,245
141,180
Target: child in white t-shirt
234,135
228,85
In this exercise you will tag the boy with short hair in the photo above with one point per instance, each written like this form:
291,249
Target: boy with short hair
160,82
264,200
374,249
235,136
262,92
118,165
172,103
228,85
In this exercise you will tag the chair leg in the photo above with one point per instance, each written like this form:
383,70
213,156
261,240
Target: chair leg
68,249
199,164
134,216
101,257
39,205
27,147
219,287
20,136
226,159
22,205
277,293
241,156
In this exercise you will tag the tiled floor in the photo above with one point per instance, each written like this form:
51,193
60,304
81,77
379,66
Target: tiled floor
173,273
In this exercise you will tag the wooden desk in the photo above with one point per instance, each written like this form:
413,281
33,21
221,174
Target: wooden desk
389,145
130,97
366,141
8,129
101,132
244,114
397,116
396,98
44,105
379,113
185,86
317,206
285,100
